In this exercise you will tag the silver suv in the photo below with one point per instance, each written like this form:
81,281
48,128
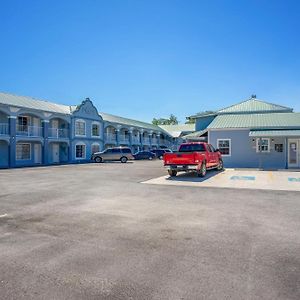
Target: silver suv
119,153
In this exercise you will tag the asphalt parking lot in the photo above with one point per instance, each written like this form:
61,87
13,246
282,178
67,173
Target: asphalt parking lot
95,231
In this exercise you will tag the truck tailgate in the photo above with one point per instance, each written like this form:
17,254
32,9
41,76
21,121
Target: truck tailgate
180,158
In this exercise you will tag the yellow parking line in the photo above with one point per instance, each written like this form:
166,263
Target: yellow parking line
271,176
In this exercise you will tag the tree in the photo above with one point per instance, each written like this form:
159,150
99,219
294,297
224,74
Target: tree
172,120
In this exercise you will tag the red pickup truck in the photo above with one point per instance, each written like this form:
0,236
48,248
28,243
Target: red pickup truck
193,157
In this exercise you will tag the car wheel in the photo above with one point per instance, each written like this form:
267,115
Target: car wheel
150,157
221,165
98,159
172,173
202,171
123,159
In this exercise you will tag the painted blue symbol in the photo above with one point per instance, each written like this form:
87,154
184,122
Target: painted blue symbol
293,179
242,177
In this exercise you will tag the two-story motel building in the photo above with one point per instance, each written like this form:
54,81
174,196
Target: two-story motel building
36,132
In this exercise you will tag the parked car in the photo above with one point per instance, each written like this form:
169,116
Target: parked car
193,157
144,155
160,152
112,154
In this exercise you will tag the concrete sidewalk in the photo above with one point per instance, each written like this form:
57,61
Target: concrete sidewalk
239,179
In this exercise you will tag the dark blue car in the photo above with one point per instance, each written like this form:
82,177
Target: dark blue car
144,155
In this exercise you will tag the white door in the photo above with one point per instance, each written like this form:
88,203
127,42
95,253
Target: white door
55,153
55,124
37,153
293,150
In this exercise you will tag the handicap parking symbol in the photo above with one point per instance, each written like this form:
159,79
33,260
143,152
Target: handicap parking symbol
242,177
293,179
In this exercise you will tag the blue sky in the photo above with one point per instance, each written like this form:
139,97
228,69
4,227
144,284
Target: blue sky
145,59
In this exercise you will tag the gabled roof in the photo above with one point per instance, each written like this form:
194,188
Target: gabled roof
265,120
178,130
32,103
129,122
253,105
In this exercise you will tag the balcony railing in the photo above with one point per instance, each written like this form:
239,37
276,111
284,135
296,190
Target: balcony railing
124,139
136,140
58,133
3,128
154,141
110,137
32,131
146,141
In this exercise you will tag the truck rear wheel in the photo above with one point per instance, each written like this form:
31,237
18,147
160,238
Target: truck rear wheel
202,171
172,173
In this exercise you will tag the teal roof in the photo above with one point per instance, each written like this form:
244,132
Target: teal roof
274,133
196,134
270,120
32,103
254,105
178,130
129,122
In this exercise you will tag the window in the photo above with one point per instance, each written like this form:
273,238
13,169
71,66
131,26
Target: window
115,150
95,148
23,121
80,127
23,151
192,148
279,147
263,145
80,151
224,146
95,129
126,150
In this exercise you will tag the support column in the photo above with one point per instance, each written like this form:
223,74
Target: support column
142,139
46,142
150,141
12,142
118,137
130,139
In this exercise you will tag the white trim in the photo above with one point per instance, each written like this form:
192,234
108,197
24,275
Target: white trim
30,151
83,121
224,139
296,141
98,124
269,145
80,144
225,129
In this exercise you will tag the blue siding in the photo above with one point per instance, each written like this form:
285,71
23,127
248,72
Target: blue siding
203,122
243,150
4,154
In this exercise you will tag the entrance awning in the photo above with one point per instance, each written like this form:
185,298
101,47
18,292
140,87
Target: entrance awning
274,133
195,135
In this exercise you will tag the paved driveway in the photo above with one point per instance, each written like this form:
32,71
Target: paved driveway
237,179
95,232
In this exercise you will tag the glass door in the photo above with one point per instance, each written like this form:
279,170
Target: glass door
293,153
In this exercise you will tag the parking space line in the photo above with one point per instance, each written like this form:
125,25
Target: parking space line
242,177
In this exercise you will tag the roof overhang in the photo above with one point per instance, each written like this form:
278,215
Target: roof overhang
275,133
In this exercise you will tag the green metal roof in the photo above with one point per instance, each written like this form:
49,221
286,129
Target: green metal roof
195,135
274,133
178,130
129,122
254,105
32,103
271,120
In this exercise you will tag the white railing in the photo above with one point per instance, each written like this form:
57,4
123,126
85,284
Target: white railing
110,137
58,133
34,131
154,141
3,128
146,141
124,139
136,140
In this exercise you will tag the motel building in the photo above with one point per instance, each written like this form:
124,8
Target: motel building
36,132
252,134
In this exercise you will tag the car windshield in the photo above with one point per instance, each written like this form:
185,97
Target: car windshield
192,148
